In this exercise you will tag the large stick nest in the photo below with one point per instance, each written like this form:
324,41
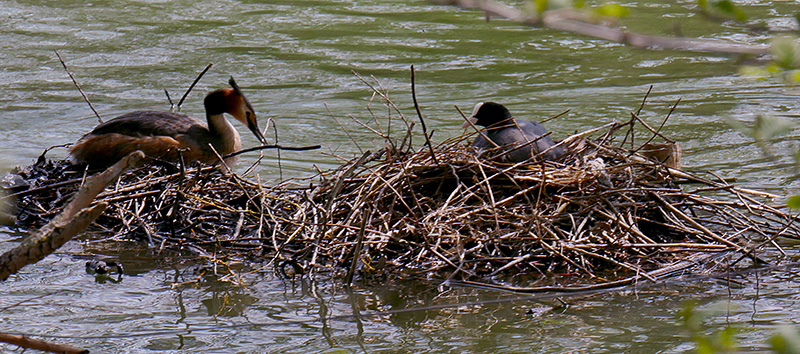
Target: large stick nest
599,210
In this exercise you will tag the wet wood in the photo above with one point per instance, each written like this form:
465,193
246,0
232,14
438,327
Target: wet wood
29,343
667,153
74,218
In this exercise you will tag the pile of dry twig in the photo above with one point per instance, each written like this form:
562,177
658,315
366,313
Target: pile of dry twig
441,211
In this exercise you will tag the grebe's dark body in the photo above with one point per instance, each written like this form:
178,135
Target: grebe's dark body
520,139
164,135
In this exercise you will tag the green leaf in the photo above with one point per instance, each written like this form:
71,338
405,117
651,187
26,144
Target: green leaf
729,8
755,72
690,317
794,202
764,128
541,5
722,341
786,341
726,6
703,4
704,346
612,9
727,339
785,52
774,69
794,76
741,16
797,157
738,125
767,127
778,344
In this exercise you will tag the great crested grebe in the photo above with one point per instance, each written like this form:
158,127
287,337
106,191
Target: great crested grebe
164,135
507,132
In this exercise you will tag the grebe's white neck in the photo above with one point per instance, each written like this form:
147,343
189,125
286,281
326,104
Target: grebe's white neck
229,139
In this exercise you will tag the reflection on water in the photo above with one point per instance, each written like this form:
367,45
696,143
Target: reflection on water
185,307
295,57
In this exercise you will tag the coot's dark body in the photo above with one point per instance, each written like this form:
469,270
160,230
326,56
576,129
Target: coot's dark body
518,138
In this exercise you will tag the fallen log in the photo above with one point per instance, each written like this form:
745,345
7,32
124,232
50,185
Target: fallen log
75,217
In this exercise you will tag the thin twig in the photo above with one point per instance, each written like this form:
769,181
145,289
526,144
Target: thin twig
343,128
419,114
644,100
554,117
180,103
171,105
273,146
85,98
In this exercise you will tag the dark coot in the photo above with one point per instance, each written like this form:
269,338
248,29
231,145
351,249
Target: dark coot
513,135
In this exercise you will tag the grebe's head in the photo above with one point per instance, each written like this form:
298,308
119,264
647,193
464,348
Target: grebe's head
232,101
487,114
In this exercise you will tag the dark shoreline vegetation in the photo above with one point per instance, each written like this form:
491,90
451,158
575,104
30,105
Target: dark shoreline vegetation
611,213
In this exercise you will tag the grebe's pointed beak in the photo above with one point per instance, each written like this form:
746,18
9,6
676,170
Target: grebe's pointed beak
253,126
249,113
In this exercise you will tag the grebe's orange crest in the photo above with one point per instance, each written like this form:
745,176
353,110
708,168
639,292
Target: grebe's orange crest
234,104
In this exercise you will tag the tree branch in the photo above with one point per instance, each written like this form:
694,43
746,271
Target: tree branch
75,217
569,20
28,343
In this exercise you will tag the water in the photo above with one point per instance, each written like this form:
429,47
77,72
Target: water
294,58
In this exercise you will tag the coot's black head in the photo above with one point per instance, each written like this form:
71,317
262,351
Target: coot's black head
489,113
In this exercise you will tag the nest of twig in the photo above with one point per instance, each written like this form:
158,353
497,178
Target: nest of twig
441,211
